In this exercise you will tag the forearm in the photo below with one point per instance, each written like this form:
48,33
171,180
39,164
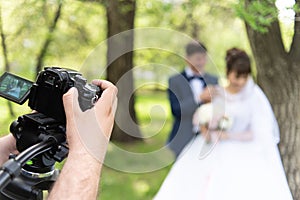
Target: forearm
7,146
243,136
79,178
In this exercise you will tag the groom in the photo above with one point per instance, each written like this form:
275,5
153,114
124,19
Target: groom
187,91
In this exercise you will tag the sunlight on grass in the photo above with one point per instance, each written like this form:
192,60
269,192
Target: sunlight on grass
141,187
153,112
132,162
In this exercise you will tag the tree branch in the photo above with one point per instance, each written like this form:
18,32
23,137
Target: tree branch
6,62
42,54
3,43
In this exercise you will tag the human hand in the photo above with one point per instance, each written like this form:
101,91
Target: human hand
224,135
219,135
88,132
208,93
7,146
205,132
213,135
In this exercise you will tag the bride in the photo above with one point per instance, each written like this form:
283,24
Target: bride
240,163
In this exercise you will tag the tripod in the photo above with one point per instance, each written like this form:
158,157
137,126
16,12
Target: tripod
41,141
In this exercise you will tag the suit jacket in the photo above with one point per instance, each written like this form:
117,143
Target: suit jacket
183,107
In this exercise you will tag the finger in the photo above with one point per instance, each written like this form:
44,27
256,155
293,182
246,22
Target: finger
103,84
107,102
109,94
114,108
107,87
70,101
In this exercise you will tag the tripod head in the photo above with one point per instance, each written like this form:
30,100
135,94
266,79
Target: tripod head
33,128
37,171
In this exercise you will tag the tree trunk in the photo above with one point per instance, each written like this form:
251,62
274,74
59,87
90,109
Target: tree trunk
6,62
279,76
43,51
120,18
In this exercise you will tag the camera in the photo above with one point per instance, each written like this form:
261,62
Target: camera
47,125
45,95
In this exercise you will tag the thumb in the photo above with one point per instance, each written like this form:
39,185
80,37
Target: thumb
70,100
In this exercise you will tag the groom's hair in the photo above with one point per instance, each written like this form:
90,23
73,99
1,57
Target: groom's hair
195,47
237,60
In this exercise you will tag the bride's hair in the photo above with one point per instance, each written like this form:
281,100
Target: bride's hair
238,61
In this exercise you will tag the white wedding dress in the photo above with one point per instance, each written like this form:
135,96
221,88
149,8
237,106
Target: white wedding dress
233,170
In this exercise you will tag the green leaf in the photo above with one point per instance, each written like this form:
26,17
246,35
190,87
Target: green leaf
258,14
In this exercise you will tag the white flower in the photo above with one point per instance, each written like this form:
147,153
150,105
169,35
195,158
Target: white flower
213,117
203,114
225,123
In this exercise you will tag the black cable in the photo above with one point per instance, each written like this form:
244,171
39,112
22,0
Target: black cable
12,167
34,150
4,179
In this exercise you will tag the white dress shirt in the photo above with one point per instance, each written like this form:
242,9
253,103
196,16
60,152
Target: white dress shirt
197,85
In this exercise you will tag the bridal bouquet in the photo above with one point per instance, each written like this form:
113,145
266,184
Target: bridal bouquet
211,118
224,123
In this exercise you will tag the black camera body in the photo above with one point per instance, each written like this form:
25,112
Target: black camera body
52,83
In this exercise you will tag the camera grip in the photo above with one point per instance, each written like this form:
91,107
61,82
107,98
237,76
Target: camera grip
88,94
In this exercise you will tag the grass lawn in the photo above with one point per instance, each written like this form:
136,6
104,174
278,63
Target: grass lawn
125,175
155,122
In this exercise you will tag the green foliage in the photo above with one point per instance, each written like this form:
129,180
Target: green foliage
218,27
26,24
296,7
258,14
82,27
6,119
287,31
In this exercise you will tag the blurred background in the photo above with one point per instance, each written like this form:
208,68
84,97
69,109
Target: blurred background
88,36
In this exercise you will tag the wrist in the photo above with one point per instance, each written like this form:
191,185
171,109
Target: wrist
82,159
83,154
92,145
9,143
225,136
12,143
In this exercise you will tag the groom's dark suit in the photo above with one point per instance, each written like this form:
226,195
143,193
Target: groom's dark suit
183,107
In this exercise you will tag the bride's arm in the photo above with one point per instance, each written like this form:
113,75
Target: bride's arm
243,136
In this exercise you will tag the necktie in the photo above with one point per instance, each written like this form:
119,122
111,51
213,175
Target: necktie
199,78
